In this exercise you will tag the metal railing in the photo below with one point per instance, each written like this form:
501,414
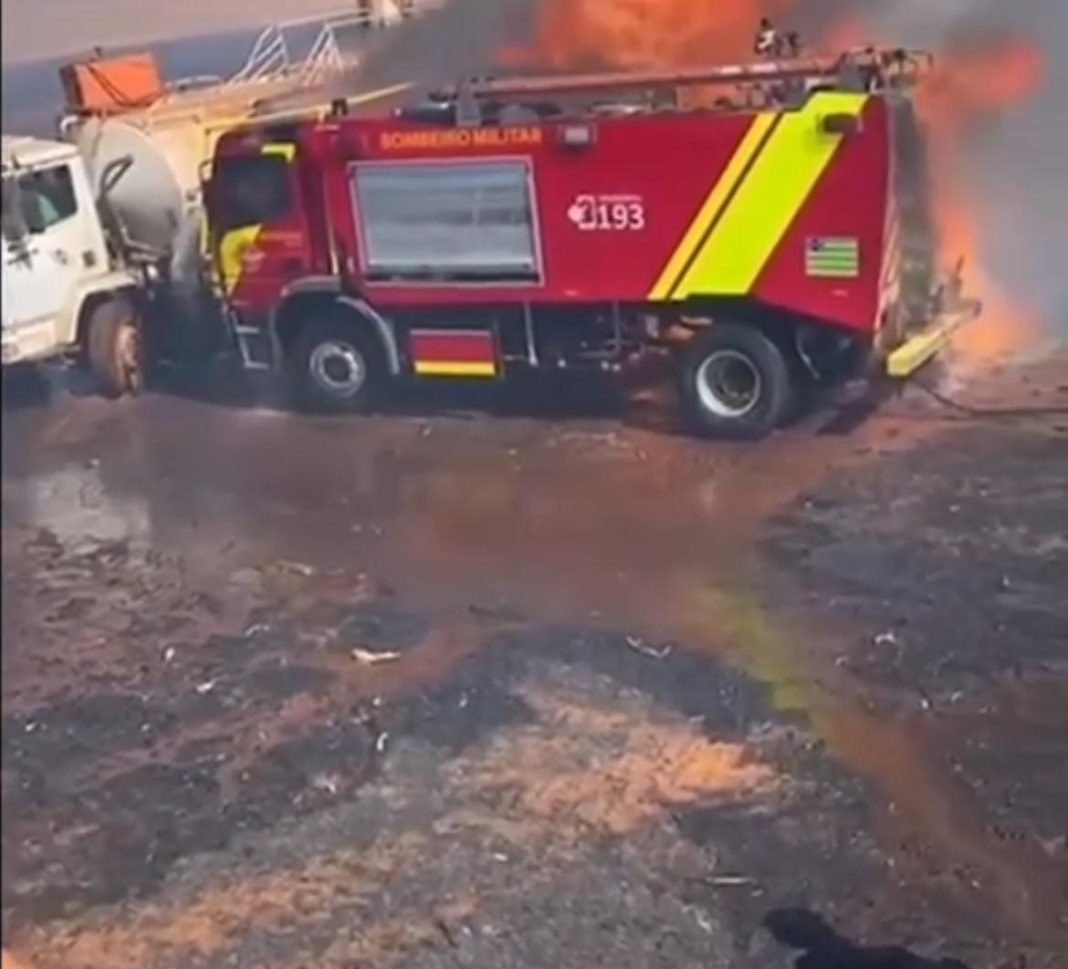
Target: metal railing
283,49
285,59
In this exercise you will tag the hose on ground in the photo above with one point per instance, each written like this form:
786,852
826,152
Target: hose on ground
991,413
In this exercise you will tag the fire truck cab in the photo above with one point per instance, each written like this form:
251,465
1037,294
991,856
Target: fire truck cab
764,222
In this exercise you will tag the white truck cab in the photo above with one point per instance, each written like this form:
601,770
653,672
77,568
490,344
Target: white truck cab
66,291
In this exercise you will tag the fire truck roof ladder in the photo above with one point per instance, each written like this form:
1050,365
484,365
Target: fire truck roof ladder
860,67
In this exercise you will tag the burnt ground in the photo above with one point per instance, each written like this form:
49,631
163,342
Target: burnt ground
439,690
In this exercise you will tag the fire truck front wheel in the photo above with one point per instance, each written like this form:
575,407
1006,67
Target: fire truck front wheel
735,382
335,366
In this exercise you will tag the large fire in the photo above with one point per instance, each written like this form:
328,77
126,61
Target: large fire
648,33
968,89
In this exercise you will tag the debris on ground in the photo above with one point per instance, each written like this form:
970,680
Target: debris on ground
639,645
371,658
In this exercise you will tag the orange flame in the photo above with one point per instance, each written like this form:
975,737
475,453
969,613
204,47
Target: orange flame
844,33
982,80
971,89
574,34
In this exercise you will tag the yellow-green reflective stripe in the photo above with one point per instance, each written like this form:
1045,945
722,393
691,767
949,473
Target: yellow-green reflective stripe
768,201
286,150
719,194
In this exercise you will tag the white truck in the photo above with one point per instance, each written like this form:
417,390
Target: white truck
66,288
102,228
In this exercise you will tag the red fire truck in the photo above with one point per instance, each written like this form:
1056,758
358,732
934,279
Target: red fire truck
767,223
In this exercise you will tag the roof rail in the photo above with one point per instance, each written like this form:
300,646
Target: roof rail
277,51
873,67
286,59
284,48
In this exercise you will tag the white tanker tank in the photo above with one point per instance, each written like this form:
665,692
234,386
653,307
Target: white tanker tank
157,188
153,162
147,166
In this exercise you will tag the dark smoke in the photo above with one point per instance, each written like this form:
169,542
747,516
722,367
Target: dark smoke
460,39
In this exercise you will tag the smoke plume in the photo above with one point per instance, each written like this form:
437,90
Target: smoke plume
1010,164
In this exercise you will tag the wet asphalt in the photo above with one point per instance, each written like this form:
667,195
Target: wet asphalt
482,681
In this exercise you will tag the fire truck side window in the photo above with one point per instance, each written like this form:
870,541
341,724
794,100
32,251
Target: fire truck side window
464,221
250,190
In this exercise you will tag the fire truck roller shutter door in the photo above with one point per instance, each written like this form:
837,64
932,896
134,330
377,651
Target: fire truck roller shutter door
464,220
755,201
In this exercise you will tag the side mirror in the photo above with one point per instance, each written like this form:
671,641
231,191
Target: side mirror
209,192
14,226
33,216
15,232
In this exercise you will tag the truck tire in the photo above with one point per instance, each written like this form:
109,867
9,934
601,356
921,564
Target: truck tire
735,382
336,366
114,348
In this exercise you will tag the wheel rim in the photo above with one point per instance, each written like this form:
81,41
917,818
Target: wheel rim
728,384
128,355
338,368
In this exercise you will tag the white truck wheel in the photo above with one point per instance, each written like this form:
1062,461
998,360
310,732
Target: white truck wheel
114,347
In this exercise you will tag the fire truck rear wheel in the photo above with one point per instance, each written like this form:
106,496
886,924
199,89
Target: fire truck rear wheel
336,367
114,348
735,382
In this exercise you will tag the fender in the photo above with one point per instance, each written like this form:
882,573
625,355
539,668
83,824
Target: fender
332,286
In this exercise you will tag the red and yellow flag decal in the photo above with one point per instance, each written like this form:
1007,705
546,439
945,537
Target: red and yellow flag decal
755,200
453,353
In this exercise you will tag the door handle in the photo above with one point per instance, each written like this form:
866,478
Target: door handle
22,256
